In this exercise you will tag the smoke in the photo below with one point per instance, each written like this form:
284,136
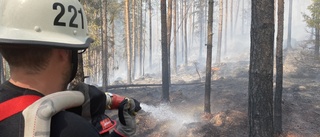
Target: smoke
238,45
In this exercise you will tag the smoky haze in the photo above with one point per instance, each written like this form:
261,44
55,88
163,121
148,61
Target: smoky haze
238,44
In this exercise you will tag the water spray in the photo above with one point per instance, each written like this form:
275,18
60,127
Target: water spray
164,112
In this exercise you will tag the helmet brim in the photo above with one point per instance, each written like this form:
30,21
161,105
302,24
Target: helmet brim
85,45
44,38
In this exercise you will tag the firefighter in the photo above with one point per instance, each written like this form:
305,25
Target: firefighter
41,40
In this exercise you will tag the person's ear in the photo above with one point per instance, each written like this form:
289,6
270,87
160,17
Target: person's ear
64,55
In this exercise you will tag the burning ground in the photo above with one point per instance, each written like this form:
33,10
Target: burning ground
183,116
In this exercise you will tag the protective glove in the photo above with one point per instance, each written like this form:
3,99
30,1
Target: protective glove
127,124
93,107
113,101
97,101
94,104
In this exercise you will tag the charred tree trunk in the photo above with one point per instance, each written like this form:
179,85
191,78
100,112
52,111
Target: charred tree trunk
260,110
279,71
165,72
207,107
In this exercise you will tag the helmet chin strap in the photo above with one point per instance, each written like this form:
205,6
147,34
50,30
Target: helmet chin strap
74,62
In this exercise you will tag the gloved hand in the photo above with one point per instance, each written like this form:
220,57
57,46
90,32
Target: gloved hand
97,101
127,124
113,101
94,104
93,107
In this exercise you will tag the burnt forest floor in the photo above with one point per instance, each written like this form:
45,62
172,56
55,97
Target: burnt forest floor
183,116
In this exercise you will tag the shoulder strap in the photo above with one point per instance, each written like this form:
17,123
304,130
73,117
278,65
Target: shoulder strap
16,105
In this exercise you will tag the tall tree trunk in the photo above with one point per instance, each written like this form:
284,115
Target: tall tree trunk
231,20
128,41
260,110
165,73
178,11
113,45
201,18
185,34
104,46
243,15
218,58
192,26
138,44
226,28
175,37
134,44
150,35
205,17
140,39
182,30
317,44
169,24
190,36
279,68
144,38
207,107
237,15
289,25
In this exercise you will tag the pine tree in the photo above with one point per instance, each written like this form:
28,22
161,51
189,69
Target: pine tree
313,21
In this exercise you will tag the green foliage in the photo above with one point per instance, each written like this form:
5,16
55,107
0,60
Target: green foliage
313,20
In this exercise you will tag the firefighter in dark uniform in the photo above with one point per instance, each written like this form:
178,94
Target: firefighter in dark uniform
41,40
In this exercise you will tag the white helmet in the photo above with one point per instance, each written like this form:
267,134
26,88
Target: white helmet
56,23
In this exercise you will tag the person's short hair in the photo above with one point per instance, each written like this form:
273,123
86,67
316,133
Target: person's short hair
32,59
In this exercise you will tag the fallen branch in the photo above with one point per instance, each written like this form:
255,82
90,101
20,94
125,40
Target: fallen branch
145,85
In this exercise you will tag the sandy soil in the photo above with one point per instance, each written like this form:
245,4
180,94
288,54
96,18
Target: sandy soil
183,116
